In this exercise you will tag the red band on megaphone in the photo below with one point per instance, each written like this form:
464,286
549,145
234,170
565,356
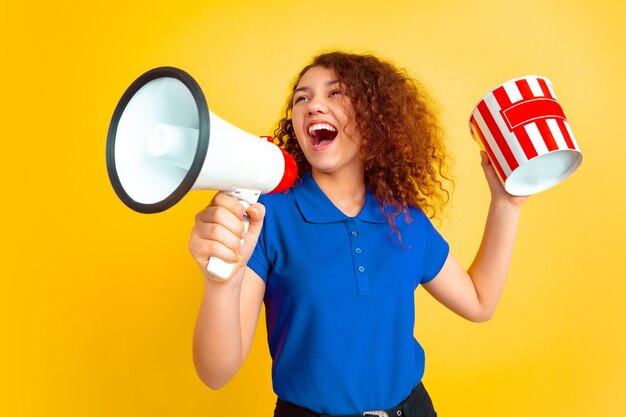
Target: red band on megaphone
289,176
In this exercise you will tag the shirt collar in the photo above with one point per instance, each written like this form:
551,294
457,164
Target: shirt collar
315,207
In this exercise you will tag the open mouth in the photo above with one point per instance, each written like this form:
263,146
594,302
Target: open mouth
322,134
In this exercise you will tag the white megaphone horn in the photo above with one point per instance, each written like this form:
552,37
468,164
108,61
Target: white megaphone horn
163,142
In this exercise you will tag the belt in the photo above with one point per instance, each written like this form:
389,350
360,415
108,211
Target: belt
284,408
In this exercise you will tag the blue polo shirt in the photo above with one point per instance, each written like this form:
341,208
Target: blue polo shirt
340,300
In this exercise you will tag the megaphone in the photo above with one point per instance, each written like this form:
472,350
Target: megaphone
163,142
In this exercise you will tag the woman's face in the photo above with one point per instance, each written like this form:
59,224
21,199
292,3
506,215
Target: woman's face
323,120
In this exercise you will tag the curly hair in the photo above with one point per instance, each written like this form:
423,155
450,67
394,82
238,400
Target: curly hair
402,142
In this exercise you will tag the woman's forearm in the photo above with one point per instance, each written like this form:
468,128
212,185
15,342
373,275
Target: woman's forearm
217,341
491,265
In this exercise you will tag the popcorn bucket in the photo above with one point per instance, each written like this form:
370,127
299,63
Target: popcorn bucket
521,126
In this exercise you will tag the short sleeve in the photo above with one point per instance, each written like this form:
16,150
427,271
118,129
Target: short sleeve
259,261
436,251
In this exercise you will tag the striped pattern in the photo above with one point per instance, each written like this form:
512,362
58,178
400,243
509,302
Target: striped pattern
518,121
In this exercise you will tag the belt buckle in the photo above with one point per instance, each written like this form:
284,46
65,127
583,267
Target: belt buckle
378,413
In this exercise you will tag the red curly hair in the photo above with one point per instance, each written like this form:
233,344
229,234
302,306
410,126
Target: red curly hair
402,143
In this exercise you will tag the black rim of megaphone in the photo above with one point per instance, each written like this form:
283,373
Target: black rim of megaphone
201,150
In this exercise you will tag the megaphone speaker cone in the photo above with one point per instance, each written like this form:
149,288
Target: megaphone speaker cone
158,140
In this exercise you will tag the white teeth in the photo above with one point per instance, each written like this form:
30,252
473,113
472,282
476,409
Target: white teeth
320,126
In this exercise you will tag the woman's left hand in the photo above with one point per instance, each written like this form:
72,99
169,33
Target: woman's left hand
498,193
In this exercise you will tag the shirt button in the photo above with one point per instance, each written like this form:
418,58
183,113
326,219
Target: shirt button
355,233
361,269
358,250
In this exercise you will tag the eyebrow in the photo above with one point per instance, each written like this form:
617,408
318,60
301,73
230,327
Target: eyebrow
305,88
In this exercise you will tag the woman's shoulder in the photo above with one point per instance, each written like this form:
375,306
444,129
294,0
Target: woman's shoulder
277,201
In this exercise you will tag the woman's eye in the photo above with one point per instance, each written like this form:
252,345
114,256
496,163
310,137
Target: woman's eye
299,99
336,93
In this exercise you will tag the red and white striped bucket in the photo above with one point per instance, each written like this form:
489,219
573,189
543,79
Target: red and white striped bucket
523,129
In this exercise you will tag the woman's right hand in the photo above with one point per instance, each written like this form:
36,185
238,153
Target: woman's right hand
219,230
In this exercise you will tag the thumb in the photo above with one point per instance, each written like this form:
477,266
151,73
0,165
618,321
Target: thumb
256,213
484,158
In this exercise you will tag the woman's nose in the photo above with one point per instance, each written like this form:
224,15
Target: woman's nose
317,105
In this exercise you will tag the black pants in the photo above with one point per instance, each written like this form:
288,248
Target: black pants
418,404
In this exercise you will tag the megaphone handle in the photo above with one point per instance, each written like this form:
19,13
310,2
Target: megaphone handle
219,267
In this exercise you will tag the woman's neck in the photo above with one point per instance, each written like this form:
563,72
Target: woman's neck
345,190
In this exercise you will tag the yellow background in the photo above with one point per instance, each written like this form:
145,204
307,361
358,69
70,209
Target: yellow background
98,302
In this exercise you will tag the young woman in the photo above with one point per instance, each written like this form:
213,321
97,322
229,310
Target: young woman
338,257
